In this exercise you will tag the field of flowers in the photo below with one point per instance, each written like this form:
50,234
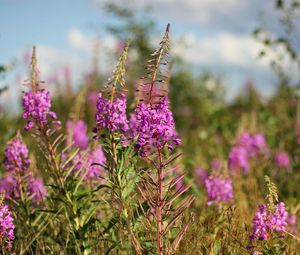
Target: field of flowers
156,165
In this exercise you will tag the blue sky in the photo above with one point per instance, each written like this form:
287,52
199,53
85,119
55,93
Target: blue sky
216,36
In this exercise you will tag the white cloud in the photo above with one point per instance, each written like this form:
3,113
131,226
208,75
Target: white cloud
231,55
78,40
210,15
221,49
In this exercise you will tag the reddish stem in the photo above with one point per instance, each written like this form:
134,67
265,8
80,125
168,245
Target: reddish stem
159,206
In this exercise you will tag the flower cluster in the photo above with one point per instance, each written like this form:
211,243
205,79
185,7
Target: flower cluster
238,159
6,227
90,163
16,156
254,144
292,223
36,108
154,127
18,176
78,133
282,159
36,189
266,221
246,146
218,190
111,115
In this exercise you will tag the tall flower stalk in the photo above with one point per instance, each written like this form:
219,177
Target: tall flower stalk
111,127
154,128
66,189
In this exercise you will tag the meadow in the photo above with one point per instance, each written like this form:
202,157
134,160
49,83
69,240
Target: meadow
149,160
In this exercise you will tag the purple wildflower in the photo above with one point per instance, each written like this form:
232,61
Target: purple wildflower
36,189
78,131
111,115
278,220
218,190
9,186
247,146
244,140
265,221
36,108
282,159
90,164
259,145
154,127
16,155
292,223
6,227
238,159
260,224
253,144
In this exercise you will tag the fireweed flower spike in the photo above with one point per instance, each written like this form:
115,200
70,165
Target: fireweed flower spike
78,132
36,189
111,115
282,160
111,110
36,103
18,175
16,155
292,223
247,146
219,190
266,221
154,127
238,159
270,217
6,227
90,164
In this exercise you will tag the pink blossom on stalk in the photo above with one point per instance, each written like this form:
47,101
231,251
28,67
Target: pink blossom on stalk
265,221
111,115
282,159
78,131
36,108
154,127
6,227
16,155
218,190
292,223
247,146
16,164
238,159
36,189
9,186
90,164
259,144
245,141
253,144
